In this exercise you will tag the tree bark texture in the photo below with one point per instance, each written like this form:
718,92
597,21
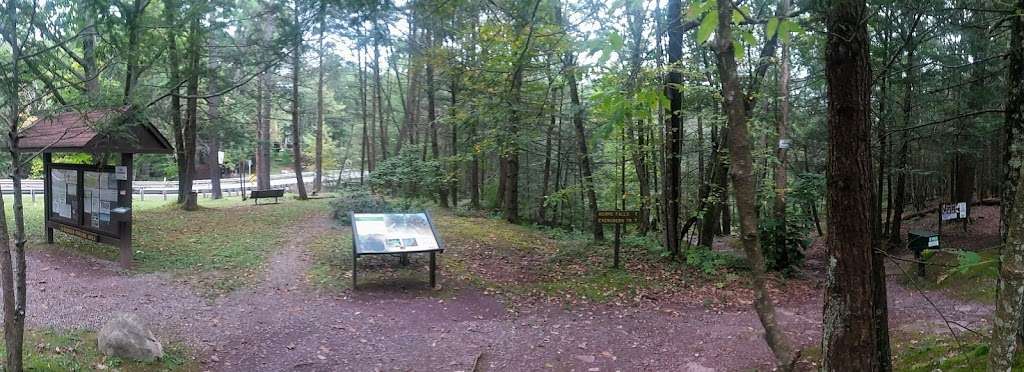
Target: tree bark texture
850,334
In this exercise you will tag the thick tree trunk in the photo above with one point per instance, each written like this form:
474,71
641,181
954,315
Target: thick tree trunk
743,182
673,129
1010,287
192,114
510,155
266,88
850,340
134,30
92,82
300,185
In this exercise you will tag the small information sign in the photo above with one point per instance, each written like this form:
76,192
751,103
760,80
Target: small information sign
954,211
121,173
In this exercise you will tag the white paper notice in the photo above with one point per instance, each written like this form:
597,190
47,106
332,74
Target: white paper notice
108,195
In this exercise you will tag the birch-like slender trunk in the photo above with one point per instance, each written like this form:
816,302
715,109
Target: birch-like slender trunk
300,185
12,261
741,172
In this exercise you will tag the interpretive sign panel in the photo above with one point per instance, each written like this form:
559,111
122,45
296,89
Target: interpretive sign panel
393,233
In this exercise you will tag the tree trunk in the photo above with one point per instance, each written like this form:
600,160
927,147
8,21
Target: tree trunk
780,153
174,73
192,113
510,155
582,152
12,263
378,90
673,129
902,167
474,169
132,17
1010,287
636,25
545,182
850,340
453,185
213,144
300,185
263,143
363,147
92,82
435,151
319,146
745,192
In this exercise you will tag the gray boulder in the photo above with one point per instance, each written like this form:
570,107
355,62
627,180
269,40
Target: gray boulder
126,336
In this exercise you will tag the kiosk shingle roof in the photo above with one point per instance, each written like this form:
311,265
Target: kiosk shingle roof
76,132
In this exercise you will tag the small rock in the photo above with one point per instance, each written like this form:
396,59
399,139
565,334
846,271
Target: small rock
586,358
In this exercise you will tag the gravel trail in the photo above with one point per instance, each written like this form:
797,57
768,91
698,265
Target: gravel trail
281,324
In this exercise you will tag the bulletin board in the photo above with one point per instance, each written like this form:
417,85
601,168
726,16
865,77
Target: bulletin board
88,198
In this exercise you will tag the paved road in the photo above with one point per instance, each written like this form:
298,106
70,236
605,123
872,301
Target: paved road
228,185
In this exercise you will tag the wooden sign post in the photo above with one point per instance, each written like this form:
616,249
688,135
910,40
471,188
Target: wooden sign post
617,218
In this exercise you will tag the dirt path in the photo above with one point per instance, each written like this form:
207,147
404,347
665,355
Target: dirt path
282,325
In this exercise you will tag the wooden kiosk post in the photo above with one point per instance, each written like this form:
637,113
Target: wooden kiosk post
91,201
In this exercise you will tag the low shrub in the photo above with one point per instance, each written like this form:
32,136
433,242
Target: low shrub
361,200
356,200
710,262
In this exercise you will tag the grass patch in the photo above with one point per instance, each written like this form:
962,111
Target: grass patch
976,283
927,353
606,286
52,350
553,263
934,353
332,260
218,248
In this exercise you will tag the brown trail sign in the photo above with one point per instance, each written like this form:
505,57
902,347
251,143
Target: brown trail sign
618,218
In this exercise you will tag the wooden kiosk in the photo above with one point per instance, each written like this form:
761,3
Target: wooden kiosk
92,202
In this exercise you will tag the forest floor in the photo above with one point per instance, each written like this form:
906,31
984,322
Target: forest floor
510,298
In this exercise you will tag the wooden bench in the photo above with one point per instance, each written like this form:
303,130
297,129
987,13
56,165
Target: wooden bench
256,195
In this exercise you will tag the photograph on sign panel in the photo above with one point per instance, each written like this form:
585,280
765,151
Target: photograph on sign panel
393,233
